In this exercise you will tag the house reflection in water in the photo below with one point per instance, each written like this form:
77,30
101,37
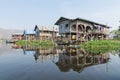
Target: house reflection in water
43,54
27,49
40,54
15,46
77,60
66,58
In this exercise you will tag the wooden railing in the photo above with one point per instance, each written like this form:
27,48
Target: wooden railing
102,31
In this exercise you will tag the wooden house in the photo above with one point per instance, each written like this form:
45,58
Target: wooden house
44,32
81,29
17,36
29,35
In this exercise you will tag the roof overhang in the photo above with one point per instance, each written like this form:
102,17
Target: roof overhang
79,19
60,20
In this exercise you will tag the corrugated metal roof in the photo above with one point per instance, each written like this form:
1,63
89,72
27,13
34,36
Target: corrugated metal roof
63,19
17,34
48,28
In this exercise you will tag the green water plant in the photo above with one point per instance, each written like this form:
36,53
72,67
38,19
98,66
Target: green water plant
101,46
35,43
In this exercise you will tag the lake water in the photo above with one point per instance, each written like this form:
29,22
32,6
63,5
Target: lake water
30,63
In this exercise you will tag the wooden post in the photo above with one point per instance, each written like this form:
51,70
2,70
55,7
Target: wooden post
77,31
70,33
53,35
119,26
102,37
42,33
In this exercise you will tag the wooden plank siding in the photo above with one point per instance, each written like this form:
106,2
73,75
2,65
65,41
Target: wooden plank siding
82,29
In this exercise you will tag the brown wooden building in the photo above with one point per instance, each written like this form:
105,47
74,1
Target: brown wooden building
82,29
45,32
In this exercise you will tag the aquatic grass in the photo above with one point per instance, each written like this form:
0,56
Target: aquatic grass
101,46
35,43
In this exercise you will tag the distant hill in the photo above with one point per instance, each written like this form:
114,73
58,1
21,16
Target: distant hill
6,33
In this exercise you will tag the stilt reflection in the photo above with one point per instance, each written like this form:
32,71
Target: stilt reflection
66,59
77,59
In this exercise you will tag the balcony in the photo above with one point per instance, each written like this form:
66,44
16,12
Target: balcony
74,29
101,32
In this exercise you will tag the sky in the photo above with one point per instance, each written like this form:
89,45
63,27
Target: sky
25,14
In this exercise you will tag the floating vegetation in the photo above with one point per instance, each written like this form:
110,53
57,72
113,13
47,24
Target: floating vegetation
101,46
35,43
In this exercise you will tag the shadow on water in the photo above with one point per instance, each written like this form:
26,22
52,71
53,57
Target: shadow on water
67,58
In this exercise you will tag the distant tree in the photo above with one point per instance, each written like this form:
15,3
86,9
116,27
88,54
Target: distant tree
119,28
116,34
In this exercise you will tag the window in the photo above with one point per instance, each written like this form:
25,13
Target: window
66,26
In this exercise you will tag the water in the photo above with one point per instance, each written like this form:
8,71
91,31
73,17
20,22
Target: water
30,63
